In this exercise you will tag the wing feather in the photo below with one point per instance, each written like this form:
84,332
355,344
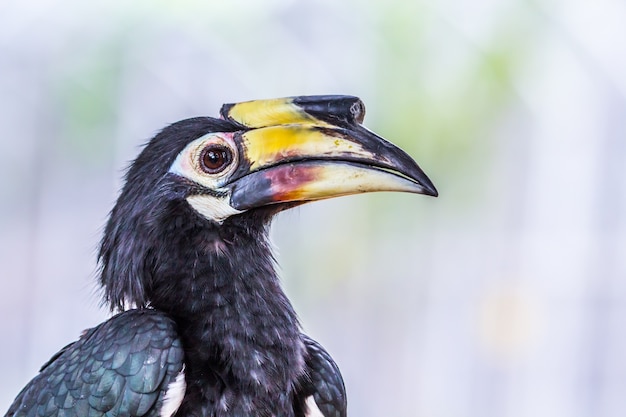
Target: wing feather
121,367
322,385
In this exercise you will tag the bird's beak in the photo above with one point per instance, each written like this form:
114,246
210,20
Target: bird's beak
306,154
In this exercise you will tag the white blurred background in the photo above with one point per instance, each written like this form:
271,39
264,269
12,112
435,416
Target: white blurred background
506,296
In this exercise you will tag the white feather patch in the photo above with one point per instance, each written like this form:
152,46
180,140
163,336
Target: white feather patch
312,410
174,395
212,208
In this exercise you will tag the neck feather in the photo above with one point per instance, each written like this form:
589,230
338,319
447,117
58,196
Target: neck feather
239,329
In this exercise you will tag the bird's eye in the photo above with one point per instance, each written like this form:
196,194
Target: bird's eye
215,158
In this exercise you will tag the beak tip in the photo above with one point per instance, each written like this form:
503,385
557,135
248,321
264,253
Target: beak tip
426,185
431,191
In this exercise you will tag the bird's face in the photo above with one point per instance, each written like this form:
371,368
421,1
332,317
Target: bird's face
290,151
260,158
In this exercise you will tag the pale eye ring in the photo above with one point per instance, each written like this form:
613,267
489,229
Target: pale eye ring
215,158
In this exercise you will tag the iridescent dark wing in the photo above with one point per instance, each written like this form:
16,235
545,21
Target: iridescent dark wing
122,367
322,389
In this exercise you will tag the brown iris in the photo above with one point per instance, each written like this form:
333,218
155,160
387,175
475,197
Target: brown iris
215,158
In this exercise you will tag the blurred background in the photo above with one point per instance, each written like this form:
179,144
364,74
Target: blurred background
506,296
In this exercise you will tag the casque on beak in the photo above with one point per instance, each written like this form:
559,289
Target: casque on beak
311,148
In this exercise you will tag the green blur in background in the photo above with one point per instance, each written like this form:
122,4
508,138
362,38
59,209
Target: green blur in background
506,296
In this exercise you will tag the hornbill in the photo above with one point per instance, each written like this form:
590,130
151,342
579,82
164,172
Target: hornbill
203,327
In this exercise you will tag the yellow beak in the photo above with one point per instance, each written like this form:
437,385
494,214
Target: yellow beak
310,148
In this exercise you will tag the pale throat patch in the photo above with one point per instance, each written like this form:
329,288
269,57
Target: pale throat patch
212,208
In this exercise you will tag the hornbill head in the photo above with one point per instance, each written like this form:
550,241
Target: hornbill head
292,151
261,157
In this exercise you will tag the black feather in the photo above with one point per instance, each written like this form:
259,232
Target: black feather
243,348
121,367
323,382
129,238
